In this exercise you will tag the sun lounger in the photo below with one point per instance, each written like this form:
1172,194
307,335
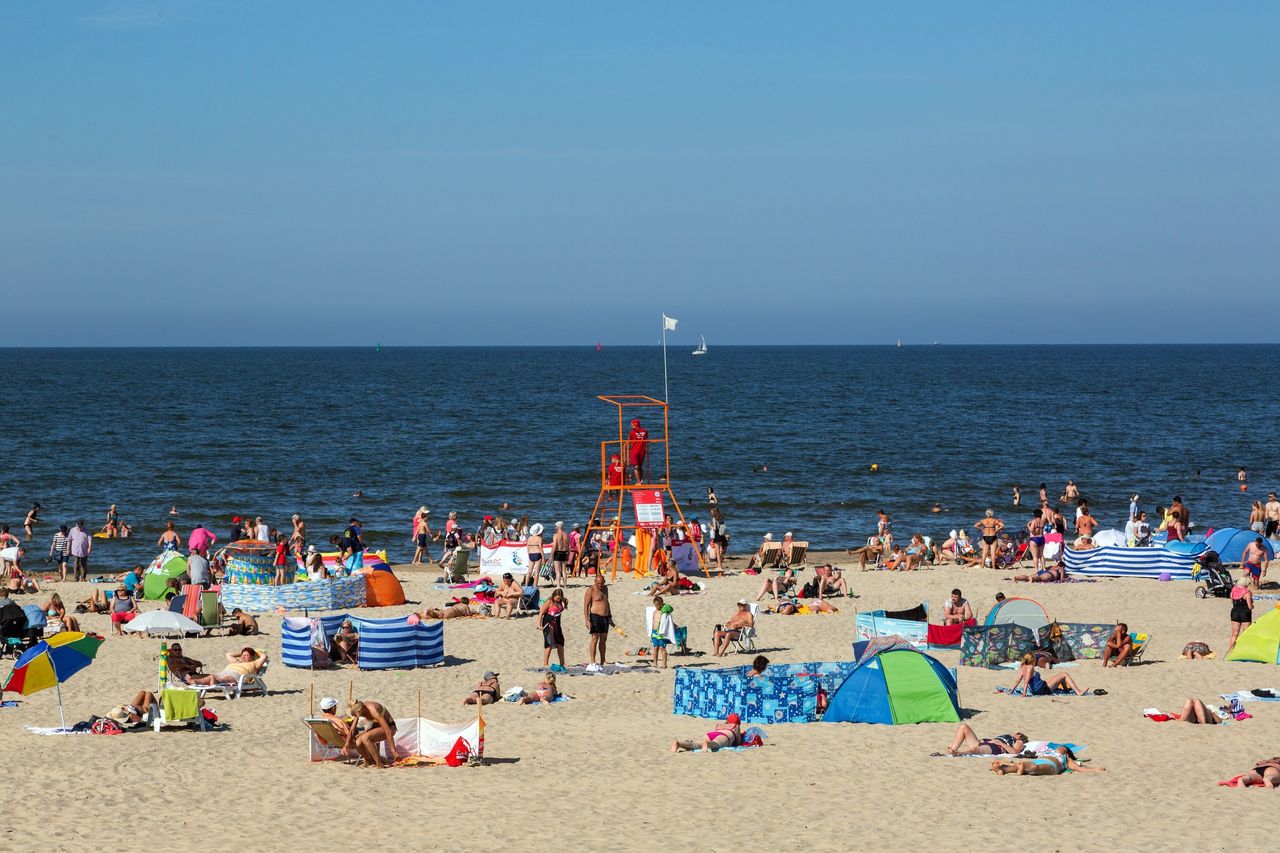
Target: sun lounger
796,558
244,685
1139,640
158,718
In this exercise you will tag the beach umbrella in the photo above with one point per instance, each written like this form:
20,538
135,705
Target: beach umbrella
51,662
163,622
1105,538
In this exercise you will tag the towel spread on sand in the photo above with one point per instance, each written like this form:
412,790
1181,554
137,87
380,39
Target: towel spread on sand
38,730
1250,696
607,669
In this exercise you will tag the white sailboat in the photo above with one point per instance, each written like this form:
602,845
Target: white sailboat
702,347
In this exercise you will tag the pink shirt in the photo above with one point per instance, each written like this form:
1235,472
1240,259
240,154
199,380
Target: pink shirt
200,539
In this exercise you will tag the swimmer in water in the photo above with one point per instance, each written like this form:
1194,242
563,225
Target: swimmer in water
936,508
357,494
173,510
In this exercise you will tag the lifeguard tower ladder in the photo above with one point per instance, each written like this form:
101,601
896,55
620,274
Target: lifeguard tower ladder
611,516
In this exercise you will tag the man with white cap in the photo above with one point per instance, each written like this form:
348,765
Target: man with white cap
534,545
560,552
329,711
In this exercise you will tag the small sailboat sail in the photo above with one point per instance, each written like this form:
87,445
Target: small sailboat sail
597,346
899,343
702,347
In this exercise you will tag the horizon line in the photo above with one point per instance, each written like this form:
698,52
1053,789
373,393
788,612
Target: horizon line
376,346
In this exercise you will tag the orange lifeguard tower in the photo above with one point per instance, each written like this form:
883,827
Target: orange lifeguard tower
645,483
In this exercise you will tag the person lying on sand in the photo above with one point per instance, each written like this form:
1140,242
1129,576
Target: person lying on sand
381,728
545,692
1061,760
486,692
1265,774
135,712
461,610
1050,574
1035,684
967,743
247,661
99,602
790,606
726,734
1195,711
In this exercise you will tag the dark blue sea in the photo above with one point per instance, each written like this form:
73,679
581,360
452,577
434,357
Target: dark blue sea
220,432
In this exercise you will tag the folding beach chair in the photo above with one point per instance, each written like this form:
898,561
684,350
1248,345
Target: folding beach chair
797,556
746,641
456,571
1140,640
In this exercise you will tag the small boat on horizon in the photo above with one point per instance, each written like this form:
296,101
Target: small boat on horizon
702,347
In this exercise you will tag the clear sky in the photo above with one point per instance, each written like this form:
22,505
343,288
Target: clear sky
493,173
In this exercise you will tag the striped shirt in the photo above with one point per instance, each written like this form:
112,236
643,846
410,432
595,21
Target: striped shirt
61,545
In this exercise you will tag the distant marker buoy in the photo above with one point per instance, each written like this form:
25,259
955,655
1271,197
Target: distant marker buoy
1244,487
874,467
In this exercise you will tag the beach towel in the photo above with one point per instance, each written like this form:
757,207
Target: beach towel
607,669
8,703
180,704
1062,692
40,730
1256,695
1234,782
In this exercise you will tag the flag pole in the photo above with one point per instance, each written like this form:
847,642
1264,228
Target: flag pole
666,394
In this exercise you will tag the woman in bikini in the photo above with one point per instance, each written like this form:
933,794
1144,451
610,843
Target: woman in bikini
460,610
382,729
1035,527
1265,774
967,743
1061,760
726,734
549,622
546,692
486,692
1035,684
989,527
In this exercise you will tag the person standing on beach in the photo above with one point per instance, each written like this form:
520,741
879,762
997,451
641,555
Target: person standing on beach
298,539
261,531
598,617
81,545
1070,493
1183,515
237,529
1017,495
638,441
200,539
559,553
1272,510
1254,561
1035,527
59,549
989,527
353,542
1085,525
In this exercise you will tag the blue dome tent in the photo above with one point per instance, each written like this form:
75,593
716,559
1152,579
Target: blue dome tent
1230,543
894,687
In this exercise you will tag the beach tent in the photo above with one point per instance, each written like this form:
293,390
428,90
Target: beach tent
1110,537
382,589
1230,543
895,687
1129,563
163,569
1260,641
394,643
1195,549
1018,611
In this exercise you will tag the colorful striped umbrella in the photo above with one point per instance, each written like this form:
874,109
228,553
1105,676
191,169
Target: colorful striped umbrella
51,662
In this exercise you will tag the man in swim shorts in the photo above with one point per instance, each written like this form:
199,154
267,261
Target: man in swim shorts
598,617
1272,510
1254,560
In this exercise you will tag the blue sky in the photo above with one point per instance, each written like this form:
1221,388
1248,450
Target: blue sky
327,173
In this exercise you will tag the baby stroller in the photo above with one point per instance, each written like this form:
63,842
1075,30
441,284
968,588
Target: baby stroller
1214,579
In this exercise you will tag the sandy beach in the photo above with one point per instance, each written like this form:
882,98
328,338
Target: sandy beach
596,771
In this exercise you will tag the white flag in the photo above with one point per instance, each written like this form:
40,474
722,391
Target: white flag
669,323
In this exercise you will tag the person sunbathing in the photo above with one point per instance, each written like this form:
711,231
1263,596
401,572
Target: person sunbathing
790,606
1035,684
778,583
545,692
98,602
506,598
895,558
869,554
486,692
1119,646
180,666
460,610
830,578
1049,574
668,582
329,711
726,734
382,729
723,635
913,558
1195,711
55,609
1055,763
967,743
136,711
247,661
1265,774
346,643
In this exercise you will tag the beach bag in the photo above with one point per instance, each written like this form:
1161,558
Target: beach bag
810,590
1058,645
459,754
104,726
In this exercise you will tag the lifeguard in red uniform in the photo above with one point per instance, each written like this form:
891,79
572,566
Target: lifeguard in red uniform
639,443
615,470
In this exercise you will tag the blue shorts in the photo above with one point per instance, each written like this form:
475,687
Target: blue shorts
1253,569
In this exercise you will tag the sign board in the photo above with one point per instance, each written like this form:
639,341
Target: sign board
649,512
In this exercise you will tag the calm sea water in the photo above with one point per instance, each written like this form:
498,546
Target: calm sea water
273,431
